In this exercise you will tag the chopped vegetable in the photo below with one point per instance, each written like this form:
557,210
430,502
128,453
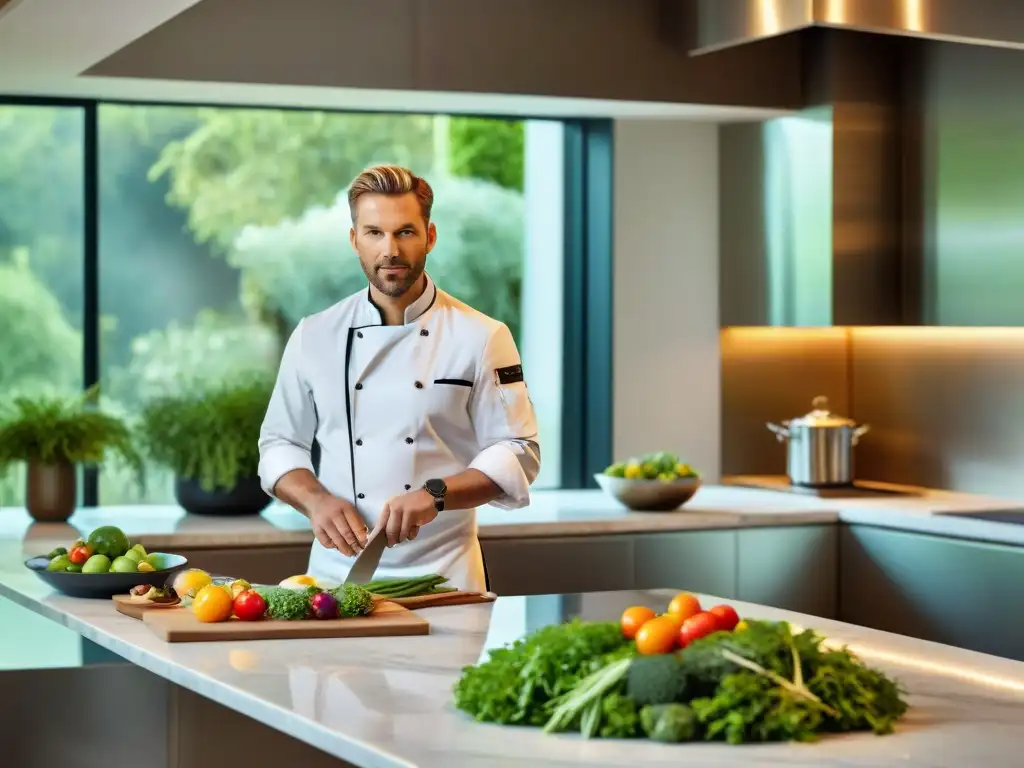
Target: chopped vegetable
286,604
669,722
353,600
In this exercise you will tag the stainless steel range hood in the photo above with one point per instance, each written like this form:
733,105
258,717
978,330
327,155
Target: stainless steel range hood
721,24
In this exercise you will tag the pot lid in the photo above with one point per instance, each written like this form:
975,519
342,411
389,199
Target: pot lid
821,416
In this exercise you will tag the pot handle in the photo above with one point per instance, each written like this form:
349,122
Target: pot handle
859,432
781,432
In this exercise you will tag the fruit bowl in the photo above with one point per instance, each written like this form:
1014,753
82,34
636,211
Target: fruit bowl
104,585
649,495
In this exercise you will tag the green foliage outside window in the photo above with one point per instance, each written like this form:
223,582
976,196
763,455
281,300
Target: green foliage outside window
219,229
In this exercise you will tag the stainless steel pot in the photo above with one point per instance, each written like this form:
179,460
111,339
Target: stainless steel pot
819,450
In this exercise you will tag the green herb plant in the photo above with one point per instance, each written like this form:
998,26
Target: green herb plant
208,432
53,429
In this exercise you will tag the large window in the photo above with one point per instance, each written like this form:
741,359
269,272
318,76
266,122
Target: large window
41,255
144,246
220,228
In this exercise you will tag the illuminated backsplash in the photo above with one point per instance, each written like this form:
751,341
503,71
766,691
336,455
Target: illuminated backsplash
945,405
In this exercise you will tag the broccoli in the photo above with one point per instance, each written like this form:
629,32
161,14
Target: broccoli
656,679
353,600
669,722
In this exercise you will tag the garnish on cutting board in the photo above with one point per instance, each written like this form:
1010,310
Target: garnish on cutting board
144,593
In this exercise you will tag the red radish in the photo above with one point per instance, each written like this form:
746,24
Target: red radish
324,606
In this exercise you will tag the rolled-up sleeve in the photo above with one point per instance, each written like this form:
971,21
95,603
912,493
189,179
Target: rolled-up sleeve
505,422
289,426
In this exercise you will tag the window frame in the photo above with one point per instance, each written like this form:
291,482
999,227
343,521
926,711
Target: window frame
587,386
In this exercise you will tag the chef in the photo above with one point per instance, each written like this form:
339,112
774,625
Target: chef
418,403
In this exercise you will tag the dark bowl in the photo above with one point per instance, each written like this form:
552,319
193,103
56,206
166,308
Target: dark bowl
102,585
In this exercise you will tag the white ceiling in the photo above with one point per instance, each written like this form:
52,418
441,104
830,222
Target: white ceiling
45,44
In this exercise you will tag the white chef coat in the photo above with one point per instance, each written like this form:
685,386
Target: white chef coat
394,406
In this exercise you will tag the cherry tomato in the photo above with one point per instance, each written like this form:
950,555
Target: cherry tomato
658,635
633,618
78,555
696,627
727,617
249,605
676,619
684,605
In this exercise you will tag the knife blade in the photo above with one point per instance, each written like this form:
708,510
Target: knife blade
367,560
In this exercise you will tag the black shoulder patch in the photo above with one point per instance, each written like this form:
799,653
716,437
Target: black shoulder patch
510,374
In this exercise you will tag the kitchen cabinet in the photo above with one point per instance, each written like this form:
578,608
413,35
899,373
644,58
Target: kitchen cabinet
691,561
792,567
961,593
559,564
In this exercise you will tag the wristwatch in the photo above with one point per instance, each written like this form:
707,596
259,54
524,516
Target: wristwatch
436,487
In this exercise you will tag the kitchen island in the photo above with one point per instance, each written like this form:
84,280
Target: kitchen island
386,702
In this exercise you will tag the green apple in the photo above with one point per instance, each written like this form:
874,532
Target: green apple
96,564
124,564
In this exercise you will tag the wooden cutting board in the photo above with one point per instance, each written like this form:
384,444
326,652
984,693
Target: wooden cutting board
442,598
124,604
181,626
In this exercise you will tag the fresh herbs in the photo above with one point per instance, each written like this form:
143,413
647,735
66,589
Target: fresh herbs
519,684
764,683
773,685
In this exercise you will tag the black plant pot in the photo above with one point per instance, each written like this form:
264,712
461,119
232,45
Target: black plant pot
247,497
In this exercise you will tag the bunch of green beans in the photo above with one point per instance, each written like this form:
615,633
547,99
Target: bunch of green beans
420,585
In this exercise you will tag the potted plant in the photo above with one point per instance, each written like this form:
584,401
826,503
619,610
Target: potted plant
53,434
207,434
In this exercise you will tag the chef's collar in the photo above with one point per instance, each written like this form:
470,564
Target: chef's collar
413,311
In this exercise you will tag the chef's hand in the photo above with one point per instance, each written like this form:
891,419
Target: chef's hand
337,524
403,516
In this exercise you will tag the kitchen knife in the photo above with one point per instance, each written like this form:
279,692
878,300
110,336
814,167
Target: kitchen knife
366,562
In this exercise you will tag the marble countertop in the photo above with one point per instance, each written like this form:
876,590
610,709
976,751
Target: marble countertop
552,513
386,702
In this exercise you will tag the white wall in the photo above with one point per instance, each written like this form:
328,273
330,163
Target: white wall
666,353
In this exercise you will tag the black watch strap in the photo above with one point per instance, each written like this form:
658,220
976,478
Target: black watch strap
436,488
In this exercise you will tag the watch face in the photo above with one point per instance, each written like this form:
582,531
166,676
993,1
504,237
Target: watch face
436,487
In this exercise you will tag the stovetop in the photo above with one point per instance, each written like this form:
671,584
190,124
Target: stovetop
858,489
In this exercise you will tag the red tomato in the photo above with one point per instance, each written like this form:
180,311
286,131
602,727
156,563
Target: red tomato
727,617
696,627
249,605
80,554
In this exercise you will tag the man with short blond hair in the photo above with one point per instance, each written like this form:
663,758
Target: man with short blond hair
417,400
